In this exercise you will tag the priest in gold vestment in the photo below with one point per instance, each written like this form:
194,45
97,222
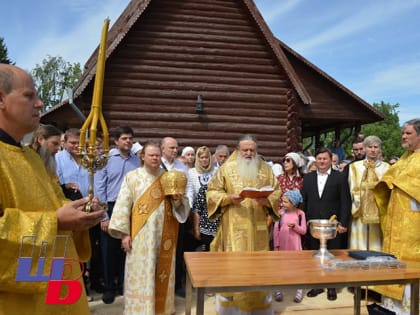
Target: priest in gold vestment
32,204
365,232
149,206
398,199
243,224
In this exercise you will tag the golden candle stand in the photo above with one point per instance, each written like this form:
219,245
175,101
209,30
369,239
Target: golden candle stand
89,159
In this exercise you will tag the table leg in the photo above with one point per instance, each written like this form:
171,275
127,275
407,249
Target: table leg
357,298
188,295
414,300
200,301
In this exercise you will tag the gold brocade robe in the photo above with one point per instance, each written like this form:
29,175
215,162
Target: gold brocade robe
395,194
28,200
142,262
243,227
362,236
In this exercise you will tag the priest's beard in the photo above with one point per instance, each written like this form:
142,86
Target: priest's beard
48,159
248,168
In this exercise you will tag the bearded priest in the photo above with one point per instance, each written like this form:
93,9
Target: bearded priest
243,224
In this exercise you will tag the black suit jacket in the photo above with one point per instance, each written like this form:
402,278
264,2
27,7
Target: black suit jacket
335,199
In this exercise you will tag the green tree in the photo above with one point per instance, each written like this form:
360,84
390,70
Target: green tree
52,77
4,56
388,130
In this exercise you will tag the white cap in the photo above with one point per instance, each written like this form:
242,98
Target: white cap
295,157
187,149
311,158
136,147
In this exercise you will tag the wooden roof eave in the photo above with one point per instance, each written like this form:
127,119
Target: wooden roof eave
288,68
329,78
115,35
132,13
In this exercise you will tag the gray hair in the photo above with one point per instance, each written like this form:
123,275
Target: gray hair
371,140
247,136
415,123
222,147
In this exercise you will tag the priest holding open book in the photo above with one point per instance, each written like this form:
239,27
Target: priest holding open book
243,217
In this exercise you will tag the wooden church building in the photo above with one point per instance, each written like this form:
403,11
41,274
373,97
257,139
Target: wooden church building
207,71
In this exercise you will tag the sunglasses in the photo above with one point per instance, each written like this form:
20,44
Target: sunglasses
287,160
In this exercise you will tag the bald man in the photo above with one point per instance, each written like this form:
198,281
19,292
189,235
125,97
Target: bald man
32,204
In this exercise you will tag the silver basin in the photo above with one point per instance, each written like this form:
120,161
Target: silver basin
323,230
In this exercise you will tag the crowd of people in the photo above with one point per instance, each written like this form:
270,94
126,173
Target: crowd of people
151,206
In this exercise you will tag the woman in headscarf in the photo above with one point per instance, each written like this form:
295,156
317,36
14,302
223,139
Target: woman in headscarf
200,175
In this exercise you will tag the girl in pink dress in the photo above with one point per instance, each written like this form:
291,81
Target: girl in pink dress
289,180
292,227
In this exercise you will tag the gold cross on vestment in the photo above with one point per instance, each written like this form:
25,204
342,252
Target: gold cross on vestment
163,276
143,209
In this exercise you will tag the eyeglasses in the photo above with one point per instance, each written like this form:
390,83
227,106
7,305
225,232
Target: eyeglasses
287,160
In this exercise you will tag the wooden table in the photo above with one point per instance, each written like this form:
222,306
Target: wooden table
259,271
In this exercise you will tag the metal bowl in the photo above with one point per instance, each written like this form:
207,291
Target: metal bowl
323,229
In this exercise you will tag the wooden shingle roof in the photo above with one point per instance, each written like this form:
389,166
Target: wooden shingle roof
162,54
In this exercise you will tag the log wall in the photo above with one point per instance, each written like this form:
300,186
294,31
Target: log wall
182,49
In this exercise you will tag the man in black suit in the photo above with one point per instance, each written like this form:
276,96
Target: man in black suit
326,193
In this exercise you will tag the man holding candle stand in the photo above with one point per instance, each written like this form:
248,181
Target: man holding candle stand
31,203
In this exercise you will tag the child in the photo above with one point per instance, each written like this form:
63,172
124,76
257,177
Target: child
292,226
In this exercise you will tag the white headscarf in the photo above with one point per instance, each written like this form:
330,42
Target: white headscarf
187,149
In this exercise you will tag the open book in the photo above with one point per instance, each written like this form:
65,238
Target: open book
252,192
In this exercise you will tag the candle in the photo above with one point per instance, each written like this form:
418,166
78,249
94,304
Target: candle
96,114
89,160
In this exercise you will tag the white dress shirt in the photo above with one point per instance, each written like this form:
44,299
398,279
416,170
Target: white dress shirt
322,179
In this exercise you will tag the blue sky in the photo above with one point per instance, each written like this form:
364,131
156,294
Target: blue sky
370,46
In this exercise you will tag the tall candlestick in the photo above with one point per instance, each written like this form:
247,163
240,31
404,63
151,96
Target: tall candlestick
89,158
